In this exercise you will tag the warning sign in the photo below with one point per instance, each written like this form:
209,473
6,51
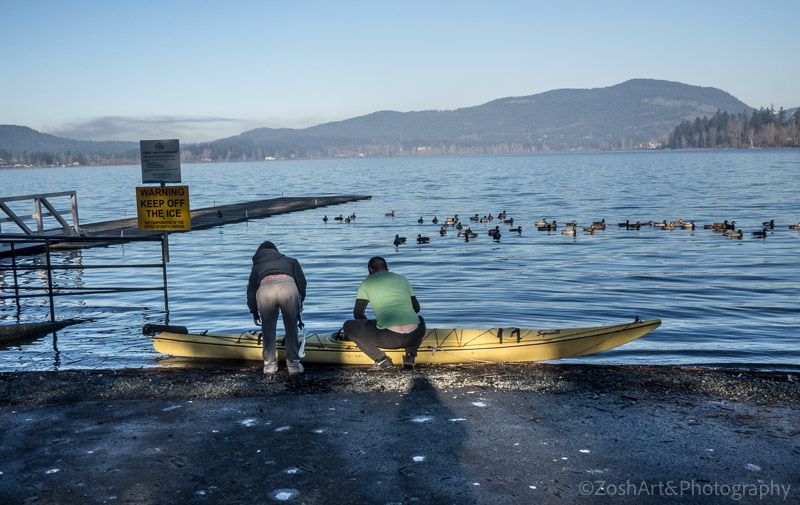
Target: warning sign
163,208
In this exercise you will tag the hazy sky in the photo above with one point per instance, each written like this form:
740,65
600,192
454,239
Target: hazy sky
202,70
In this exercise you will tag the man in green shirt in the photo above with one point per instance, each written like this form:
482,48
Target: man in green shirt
397,325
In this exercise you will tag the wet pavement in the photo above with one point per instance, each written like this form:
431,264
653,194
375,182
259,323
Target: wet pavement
439,435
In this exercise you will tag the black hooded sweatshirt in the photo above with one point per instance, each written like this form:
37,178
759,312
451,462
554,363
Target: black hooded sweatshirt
271,262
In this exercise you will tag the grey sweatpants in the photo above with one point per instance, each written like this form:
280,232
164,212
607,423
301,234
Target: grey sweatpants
279,294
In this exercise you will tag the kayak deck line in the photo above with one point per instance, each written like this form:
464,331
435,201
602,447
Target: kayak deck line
253,339
459,344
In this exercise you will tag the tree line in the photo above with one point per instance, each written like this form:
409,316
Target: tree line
763,128
46,159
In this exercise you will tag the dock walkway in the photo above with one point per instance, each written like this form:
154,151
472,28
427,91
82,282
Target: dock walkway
224,214
209,217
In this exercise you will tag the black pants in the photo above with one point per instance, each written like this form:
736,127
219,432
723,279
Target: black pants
365,333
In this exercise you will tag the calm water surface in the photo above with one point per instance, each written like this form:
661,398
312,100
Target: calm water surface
722,301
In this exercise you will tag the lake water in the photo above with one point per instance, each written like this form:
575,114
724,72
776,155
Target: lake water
722,302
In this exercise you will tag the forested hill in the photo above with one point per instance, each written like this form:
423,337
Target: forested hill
622,116
21,138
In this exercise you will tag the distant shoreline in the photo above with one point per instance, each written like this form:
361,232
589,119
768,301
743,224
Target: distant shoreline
575,151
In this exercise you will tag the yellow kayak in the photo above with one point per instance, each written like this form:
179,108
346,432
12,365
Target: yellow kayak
439,345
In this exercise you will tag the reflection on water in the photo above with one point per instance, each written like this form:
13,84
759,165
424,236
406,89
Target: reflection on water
722,301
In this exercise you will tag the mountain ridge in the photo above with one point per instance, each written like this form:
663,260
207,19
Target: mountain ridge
640,109
631,114
16,138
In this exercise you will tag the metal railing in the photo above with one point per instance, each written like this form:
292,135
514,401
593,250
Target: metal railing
47,243
40,200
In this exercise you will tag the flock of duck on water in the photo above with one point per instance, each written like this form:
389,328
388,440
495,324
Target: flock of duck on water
727,228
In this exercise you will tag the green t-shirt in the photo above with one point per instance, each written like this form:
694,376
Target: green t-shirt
390,296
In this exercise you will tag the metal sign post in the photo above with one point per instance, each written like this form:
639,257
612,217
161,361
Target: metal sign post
164,208
165,243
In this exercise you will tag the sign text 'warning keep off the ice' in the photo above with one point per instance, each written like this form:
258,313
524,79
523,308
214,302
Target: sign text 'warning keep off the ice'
163,208
161,161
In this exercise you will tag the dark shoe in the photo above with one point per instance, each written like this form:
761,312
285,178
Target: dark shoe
408,362
384,364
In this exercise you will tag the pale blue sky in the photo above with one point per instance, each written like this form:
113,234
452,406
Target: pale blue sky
200,70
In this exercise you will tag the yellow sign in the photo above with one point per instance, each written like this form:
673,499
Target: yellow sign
163,208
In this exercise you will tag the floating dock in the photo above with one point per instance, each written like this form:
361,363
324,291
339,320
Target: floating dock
223,214
208,217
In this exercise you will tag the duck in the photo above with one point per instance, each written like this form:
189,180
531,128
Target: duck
347,219
435,220
494,231
443,231
496,236
451,220
325,219
733,234
760,234
420,220
661,224
509,220
725,225
474,218
353,215
484,219
389,214
219,214
339,218
423,240
571,223
399,240
543,222
518,229
491,218
634,226
794,226
679,222
589,229
502,215
570,231
688,226
625,224
769,224
549,226
599,225
667,226
459,226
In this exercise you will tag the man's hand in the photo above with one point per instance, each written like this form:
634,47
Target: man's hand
257,321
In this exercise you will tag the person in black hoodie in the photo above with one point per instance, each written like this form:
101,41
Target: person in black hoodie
277,284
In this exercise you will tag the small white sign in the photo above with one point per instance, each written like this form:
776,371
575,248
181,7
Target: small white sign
161,161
